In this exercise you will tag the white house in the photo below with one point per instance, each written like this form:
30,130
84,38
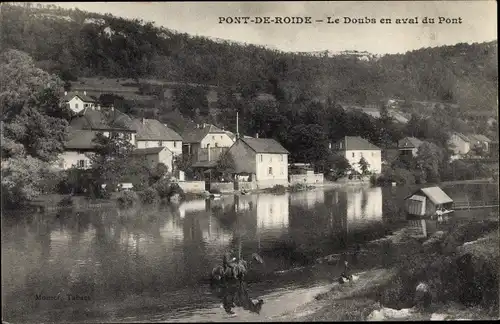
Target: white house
206,138
77,102
264,159
152,133
459,143
155,155
353,148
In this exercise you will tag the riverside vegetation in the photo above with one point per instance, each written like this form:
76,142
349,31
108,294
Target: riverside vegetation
179,72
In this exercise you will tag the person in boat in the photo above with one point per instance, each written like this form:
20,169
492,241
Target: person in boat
346,274
228,261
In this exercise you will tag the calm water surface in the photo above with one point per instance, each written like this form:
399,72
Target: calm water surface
149,262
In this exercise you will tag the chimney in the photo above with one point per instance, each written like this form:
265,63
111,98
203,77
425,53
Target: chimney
208,152
256,135
65,93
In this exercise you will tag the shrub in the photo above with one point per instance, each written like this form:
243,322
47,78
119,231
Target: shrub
215,191
297,187
66,202
148,196
167,189
127,198
277,189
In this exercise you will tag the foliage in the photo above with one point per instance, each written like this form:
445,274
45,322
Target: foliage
23,180
166,189
277,189
127,198
159,172
335,166
398,175
148,196
429,159
364,166
225,165
67,201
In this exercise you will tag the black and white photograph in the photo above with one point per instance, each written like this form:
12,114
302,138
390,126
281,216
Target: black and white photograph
277,161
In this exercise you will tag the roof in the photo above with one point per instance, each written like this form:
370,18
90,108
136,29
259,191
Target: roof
462,137
357,143
149,150
92,119
196,135
264,145
153,130
82,96
435,194
80,139
478,138
409,142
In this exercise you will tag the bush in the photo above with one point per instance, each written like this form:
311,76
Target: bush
148,196
215,191
167,189
297,187
277,189
66,202
127,198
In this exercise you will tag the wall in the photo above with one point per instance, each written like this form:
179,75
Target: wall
174,146
263,184
192,186
310,178
215,153
373,157
243,157
246,185
222,186
278,163
73,104
166,157
70,158
222,140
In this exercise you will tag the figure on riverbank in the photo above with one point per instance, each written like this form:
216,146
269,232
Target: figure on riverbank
346,274
232,269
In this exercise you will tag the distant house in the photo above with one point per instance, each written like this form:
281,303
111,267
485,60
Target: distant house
152,133
426,201
206,142
462,144
353,148
77,102
263,159
155,155
459,143
409,146
77,149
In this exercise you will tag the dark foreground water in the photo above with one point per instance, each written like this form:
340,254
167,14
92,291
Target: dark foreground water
153,263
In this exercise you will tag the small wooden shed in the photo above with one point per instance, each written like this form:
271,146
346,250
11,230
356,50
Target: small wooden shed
426,201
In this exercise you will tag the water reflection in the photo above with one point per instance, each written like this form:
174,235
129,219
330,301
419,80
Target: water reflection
166,252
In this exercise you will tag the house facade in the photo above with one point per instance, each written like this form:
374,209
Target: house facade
263,159
353,148
409,146
155,155
78,102
206,142
459,143
151,133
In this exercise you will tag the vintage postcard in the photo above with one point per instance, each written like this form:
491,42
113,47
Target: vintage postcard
249,161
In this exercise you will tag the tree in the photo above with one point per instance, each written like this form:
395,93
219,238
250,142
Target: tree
364,166
225,165
428,160
335,165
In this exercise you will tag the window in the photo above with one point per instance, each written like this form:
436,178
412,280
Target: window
76,106
270,170
281,158
160,143
221,137
208,145
216,144
353,154
85,105
81,163
175,144
261,158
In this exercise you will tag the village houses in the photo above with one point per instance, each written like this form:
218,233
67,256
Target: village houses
206,142
353,148
77,102
462,144
408,146
261,160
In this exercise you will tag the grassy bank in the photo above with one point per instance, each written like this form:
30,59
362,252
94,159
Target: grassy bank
460,267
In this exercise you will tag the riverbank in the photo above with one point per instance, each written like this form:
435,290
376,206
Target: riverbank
460,267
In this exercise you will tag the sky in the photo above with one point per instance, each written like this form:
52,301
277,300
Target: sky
478,22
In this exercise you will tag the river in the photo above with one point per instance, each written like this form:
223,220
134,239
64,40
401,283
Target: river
152,264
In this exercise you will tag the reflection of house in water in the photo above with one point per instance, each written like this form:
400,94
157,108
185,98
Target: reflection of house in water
172,231
308,198
192,206
364,206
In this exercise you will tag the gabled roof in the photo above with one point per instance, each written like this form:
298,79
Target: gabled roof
153,130
92,119
356,143
478,138
409,142
196,135
82,96
80,139
264,145
435,194
462,137
149,150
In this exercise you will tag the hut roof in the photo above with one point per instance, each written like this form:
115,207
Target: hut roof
435,194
